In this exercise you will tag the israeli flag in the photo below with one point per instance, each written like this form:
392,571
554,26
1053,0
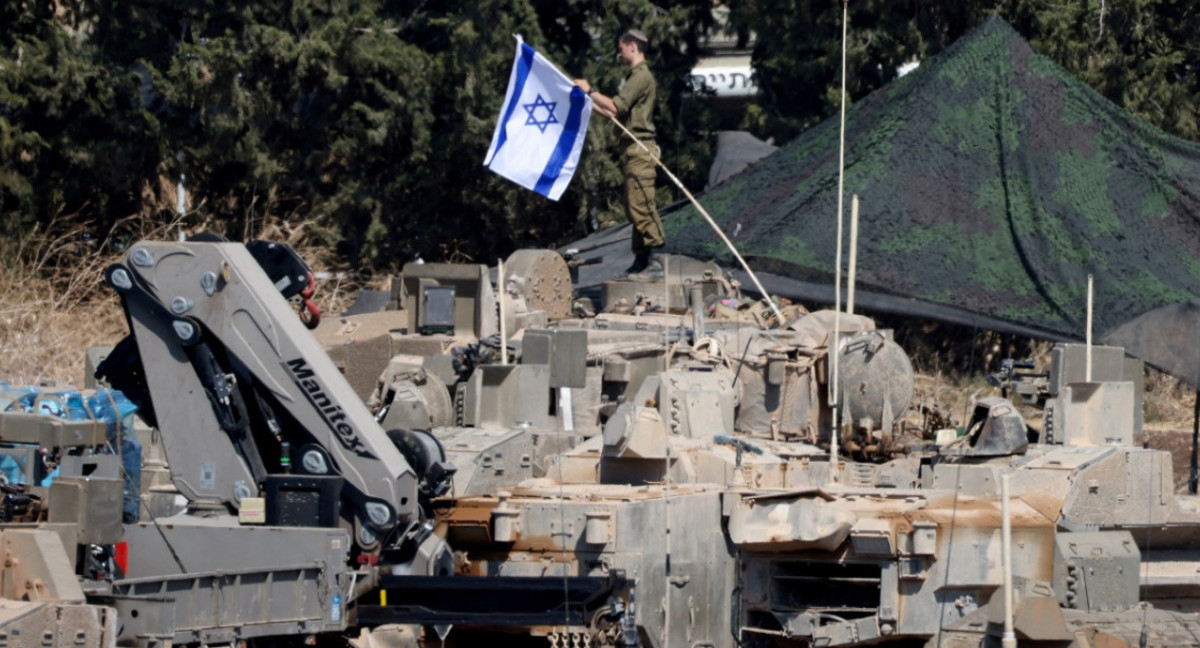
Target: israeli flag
542,126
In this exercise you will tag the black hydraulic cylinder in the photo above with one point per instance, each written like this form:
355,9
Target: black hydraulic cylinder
491,600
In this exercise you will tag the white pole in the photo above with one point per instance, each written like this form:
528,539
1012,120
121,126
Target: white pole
179,195
666,285
1009,640
853,254
500,295
566,408
1088,362
834,346
180,209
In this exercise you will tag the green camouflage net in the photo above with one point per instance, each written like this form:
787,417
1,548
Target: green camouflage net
990,180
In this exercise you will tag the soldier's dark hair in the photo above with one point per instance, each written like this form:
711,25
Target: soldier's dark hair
636,36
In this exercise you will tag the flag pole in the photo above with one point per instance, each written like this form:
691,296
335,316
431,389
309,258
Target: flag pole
704,213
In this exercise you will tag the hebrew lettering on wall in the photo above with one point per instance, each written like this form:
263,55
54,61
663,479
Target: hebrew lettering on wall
725,81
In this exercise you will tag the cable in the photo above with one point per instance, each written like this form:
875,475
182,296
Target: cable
667,542
170,548
746,351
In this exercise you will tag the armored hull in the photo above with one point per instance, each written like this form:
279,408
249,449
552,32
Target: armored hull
686,467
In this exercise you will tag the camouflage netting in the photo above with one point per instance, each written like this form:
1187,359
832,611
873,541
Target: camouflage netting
990,180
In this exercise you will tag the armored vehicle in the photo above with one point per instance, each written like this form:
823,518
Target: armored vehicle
487,458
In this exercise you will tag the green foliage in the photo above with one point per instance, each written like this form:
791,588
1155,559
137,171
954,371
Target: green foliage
1140,54
74,138
368,121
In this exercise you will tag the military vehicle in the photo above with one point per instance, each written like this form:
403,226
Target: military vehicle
488,459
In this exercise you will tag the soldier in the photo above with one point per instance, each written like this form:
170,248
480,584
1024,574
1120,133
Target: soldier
635,105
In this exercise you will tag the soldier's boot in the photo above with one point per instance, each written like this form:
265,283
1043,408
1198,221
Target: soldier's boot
651,272
641,261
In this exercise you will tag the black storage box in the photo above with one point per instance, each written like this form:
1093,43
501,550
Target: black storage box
302,500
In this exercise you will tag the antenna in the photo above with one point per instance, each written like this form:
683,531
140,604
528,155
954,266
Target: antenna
834,343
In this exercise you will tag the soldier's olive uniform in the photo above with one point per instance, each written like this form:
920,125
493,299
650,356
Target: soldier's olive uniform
635,107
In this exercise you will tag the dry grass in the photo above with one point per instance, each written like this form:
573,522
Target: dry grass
1170,410
54,303
952,362
341,284
1169,402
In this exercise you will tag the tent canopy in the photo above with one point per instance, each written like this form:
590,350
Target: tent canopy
992,183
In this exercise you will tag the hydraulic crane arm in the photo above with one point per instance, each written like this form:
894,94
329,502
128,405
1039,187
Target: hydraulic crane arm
235,381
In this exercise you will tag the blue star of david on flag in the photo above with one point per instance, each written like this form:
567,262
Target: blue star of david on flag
531,108
543,158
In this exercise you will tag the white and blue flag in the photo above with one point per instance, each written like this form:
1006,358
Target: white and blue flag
542,126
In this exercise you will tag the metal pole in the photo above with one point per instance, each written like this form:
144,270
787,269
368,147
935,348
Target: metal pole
1194,477
503,328
853,271
667,542
834,346
666,284
1010,638
1088,363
